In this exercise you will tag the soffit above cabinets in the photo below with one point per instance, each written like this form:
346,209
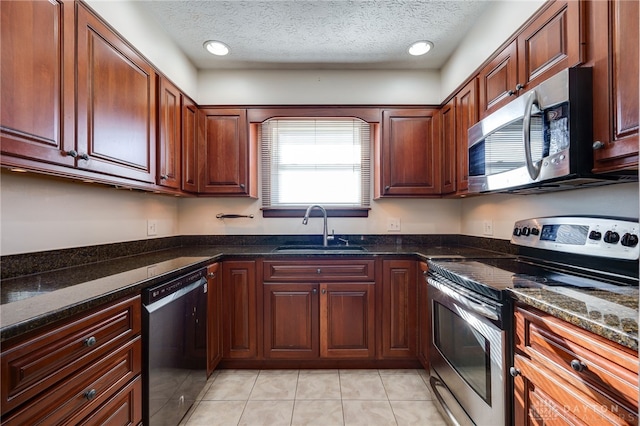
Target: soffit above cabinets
316,34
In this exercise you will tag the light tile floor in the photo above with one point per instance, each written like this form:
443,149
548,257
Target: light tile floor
315,397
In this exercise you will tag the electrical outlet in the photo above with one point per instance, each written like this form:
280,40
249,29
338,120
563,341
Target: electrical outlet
152,271
152,227
393,224
487,227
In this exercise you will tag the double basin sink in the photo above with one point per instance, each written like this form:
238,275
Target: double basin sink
317,248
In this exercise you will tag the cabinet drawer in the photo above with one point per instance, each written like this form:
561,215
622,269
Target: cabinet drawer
583,359
318,270
30,367
79,395
124,408
553,401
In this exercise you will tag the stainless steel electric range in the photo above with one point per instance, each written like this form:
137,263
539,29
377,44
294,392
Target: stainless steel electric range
470,301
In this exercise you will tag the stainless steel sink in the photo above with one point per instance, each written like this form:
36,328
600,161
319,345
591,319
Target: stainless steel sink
310,248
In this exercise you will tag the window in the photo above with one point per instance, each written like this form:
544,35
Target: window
315,161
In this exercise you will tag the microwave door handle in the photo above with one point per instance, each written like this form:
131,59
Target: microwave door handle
534,170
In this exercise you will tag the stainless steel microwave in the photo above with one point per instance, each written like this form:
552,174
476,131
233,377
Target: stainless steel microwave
540,141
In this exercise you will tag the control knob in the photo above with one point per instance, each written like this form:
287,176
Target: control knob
516,232
629,240
595,235
535,231
525,231
611,237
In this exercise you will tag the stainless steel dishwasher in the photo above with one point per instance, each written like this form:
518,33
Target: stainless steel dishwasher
174,347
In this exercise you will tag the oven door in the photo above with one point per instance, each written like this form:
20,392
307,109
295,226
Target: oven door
467,355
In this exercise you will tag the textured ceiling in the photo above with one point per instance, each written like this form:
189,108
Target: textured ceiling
293,34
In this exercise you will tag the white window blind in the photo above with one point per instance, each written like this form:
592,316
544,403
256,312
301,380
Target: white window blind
315,161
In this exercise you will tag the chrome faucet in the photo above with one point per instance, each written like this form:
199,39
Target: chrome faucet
325,237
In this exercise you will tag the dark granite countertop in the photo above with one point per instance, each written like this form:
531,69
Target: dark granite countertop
610,312
31,301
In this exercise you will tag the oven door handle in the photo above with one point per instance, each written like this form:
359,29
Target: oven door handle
479,308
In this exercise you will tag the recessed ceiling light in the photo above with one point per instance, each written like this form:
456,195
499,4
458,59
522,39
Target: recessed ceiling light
216,47
420,48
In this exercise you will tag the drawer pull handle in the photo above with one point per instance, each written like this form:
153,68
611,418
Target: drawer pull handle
90,341
514,372
90,394
578,365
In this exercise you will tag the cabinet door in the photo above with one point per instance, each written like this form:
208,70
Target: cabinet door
615,79
424,316
399,331
408,159
116,107
169,129
214,317
347,321
291,321
446,125
498,80
37,84
551,42
240,338
224,152
190,130
466,116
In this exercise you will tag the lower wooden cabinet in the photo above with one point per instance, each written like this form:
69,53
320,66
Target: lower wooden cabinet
566,375
399,303
319,309
240,339
424,316
347,320
74,371
214,317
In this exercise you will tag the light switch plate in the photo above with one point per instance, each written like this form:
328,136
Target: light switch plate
393,224
487,227
152,227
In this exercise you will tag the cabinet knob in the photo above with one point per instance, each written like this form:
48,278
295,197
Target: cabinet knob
598,145
514,372
72,153
511,92
324,291
84,157
318,271
90,394
519,87
164,177
387,188
242,185
314,291
212,274
578,365
88,342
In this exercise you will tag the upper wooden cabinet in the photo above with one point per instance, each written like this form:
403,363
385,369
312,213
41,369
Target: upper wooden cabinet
445,129
549,43
498,80
190,114
615,82
466,116
37,85
227,160
116,107
407,156
169,134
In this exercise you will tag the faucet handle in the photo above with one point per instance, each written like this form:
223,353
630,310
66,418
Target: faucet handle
332,236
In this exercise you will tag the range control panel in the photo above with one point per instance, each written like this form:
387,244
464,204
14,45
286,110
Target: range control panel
594,236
